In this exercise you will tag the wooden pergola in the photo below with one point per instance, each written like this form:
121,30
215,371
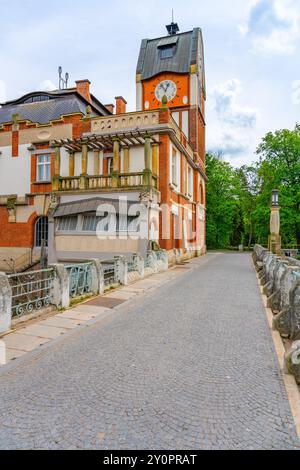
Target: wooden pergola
106,141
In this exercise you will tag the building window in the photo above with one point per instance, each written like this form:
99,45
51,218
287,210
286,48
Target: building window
68,223
43,169
167,52
110,223
90,223
41,232
174,166
35,99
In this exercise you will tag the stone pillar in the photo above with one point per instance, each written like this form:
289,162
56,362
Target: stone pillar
155,159
139,264
57,160
72,164
96,162
147,177
116,156
60,294
126,160
5,303
163,261
153,261
84,158
121,270
274,238
97,277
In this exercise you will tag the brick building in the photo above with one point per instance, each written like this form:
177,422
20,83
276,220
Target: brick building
64,153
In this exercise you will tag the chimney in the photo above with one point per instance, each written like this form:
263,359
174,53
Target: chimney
83,88
110,108
120,105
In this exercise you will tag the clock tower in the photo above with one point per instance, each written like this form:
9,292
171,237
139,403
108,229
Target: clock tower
171,69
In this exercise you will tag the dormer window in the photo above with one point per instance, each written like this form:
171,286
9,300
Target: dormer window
37,98
167,52
167,47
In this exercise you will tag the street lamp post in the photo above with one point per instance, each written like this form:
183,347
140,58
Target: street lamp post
274,237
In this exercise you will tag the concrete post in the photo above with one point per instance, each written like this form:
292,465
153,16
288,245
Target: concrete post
164,261
121,270
60,294
139,264
97,277
153,261
5,303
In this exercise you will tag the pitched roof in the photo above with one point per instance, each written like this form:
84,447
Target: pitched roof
56,104
188,51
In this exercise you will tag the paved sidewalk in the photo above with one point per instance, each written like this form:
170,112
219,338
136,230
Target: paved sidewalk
30,335
188,365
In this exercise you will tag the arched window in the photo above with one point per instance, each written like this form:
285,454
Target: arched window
41,231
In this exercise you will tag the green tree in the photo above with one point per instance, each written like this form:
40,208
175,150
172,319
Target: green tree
279,168
222,202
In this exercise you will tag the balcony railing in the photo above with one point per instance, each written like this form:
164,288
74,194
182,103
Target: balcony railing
125,121
109,182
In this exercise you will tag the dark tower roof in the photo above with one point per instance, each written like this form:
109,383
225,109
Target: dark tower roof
187,50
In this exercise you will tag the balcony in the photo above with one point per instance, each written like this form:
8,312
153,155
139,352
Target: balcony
121,181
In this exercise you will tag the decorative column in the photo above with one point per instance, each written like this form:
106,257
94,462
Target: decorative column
275,238
155,159
126,160
84,165
57,161
116,169
84,158
71,164
96,162
147,177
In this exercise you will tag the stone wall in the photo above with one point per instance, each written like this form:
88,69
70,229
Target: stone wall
280,278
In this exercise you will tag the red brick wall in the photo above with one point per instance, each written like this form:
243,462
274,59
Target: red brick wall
16,235
15,144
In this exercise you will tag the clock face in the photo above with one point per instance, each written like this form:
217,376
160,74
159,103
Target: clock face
166,88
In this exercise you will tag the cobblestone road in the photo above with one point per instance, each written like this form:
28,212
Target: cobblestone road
192,365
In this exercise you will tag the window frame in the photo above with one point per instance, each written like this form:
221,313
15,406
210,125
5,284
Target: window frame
46,168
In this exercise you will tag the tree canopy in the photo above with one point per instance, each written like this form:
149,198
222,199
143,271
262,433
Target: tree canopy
238,200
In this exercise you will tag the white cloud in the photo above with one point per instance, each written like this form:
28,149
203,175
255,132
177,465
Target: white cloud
225,97
47,85
2,91
232,127
273,26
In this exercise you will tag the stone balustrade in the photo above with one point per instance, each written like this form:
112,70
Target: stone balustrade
280,278
133,120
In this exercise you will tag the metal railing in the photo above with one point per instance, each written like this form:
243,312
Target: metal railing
131,267
31,291
80,277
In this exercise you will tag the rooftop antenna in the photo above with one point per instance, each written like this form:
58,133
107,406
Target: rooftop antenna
172,28
63,82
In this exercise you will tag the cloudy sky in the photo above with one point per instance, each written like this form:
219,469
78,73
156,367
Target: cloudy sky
252,50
